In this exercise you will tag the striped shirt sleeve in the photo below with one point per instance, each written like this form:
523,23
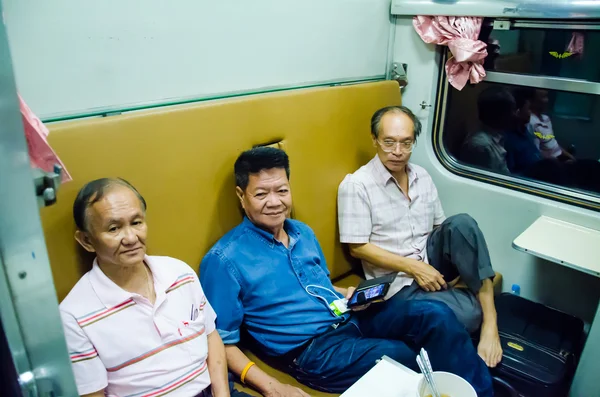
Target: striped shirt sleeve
210,317
354,213
90,373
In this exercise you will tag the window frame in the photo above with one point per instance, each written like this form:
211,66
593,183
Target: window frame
566,195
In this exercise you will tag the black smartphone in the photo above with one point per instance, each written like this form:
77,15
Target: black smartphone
370,291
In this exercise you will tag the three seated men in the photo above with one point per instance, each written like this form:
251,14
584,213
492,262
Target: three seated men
143,325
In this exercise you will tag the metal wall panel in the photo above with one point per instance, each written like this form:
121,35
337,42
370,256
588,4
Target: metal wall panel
28,304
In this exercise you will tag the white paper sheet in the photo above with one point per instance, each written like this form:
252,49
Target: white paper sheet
386,379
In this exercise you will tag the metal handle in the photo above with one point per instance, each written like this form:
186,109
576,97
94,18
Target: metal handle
46,185
424,105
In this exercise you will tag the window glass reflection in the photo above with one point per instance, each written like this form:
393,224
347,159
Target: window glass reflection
546,52
527,132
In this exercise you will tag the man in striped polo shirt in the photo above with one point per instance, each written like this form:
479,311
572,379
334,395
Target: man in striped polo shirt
136,325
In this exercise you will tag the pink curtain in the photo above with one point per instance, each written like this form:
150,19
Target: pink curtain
40,153
575,46
460,35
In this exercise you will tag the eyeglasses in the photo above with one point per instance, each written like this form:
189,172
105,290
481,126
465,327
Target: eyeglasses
390,146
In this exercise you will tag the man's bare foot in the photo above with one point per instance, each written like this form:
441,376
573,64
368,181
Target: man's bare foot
489,348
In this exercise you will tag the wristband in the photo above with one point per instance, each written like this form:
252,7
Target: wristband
245,371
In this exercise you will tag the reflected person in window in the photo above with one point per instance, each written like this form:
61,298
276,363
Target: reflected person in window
485,148
542,128
391,216
522,152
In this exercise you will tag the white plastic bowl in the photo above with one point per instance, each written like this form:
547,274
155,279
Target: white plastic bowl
448,384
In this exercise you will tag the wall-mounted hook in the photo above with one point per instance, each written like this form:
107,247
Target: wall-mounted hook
424,105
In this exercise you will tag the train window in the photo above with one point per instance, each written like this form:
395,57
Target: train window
545,52
534,123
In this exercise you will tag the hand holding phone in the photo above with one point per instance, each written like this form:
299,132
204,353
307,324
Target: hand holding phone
371,291
364,296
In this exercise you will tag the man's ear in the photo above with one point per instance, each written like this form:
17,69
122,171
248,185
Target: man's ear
374,139
84,240
240,194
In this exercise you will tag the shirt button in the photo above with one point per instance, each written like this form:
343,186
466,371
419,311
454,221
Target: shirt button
301,274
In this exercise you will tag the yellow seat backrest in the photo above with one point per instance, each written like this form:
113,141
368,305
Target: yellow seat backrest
181,160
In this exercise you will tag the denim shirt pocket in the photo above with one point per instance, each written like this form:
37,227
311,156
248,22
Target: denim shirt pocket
319,275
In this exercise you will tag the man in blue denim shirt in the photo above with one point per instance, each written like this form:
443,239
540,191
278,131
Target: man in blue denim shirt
519,141
269,276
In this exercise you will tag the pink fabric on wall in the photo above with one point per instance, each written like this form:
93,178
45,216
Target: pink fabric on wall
41,154
576,44
460,35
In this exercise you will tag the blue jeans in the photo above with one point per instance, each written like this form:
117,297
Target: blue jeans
332,362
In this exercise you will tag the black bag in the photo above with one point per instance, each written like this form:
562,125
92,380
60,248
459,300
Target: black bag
540,347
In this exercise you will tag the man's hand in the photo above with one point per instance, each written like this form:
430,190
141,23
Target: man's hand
278,389
428,278
349,293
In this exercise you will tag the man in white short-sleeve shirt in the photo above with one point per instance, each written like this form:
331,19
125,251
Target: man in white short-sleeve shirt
542,128
391,216
136,325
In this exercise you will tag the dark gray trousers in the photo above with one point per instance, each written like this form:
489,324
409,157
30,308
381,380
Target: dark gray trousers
457,248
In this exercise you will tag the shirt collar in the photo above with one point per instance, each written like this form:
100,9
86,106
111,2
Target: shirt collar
383,175
542,118
110,294
497,137
290,229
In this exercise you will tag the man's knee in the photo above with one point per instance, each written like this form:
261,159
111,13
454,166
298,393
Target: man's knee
438,313
468,316
462,222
